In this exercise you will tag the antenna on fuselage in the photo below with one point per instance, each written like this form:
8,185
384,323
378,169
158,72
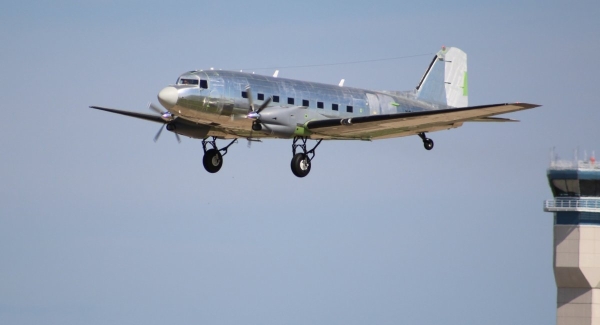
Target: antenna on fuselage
342,83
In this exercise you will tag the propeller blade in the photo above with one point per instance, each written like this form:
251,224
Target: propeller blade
178,138
249,94
159,132
250,140
250,137
264,105
238,117
154,108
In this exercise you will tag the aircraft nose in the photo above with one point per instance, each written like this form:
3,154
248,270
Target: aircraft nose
168,97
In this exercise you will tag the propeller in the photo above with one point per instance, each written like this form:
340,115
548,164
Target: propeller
254,114
167,117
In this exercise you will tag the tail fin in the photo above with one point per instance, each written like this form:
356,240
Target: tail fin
445,81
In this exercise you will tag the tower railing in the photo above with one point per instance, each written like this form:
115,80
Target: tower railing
572,204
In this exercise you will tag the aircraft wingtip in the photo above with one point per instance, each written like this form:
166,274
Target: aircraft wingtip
527,105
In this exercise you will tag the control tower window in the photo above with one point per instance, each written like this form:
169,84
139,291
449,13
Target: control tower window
590,187
565,187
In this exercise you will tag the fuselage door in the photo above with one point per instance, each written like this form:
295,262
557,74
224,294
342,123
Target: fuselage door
373,104
215,98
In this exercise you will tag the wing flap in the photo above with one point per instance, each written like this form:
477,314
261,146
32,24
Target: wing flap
493,119
377,126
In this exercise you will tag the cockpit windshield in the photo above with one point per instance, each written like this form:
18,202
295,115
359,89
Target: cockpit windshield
193,82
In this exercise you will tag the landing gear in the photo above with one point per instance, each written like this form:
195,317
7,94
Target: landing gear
256,126
301,161
300,165
427,143
213,159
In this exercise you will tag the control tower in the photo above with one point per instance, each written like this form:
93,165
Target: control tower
576,207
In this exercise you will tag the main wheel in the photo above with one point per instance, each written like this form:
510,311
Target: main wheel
300,165
428,144
212,160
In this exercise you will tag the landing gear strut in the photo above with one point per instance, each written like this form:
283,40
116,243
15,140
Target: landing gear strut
427,143
301,161
213,159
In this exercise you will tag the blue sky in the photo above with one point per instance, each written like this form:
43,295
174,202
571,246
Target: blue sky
98,224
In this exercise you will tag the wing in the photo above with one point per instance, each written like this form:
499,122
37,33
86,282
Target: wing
147,117
183,126
403,124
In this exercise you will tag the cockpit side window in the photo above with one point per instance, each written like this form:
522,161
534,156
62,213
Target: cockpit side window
185,81
203,83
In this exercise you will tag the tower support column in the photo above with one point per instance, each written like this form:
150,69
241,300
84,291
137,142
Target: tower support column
577,274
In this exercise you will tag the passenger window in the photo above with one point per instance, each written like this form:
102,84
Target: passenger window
244,94
275,99
305,103
290,101
261,96
349,109
319,104
334,107
203,83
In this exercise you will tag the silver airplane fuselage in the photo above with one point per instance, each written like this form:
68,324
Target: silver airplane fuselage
220,99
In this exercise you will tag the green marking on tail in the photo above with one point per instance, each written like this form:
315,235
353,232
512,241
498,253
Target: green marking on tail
465,85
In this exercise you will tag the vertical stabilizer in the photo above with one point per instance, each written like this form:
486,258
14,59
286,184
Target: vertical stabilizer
446,82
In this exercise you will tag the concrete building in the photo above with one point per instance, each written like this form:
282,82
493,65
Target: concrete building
576,207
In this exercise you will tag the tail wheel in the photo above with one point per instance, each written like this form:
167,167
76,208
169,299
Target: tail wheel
212,160
300,165
428,144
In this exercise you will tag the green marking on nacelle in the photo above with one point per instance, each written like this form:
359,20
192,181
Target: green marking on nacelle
302,131
395,104
465,85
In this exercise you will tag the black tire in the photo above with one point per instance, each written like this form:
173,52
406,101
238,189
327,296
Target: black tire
300,165
212,160
428,144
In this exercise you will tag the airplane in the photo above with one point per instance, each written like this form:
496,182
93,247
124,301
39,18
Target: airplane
216,105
